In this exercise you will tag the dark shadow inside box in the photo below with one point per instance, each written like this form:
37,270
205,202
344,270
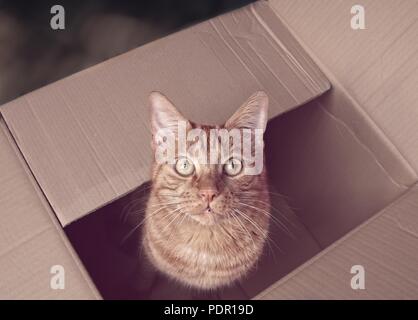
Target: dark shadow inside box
108,243
323,183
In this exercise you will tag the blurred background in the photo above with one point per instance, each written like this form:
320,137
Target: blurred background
33,55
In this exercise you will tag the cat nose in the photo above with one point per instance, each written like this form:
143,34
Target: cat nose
208,195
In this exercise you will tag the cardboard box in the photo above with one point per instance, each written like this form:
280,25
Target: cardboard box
374,76
31,240
70,150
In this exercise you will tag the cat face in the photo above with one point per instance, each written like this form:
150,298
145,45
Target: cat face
209,192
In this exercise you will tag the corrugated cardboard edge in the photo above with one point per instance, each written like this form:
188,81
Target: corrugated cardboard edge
57,227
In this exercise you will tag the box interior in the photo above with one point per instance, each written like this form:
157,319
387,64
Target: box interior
324,182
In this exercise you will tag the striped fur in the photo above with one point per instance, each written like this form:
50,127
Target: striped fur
199,249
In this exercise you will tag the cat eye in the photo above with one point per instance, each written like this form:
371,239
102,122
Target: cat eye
184,167
233,167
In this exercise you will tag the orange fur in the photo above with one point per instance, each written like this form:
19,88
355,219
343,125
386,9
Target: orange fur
198,248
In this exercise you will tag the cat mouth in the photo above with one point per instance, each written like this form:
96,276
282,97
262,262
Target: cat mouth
208,210
211,211
207,216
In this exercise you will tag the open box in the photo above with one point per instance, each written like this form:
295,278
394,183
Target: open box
323,199
73,150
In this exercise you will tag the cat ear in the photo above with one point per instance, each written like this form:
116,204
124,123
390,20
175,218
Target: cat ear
164,114
252,114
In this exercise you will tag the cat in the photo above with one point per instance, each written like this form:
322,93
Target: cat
206,225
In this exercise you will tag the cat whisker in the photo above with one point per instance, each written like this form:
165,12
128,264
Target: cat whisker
252,222
126,210
280,223
267,237
152,214
144,209
243,228
179,223
224,231
294,225
271,194
266,192
248,218
175,218
166,203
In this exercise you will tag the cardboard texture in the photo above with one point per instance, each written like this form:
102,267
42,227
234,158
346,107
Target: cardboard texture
31,240
346,161
91,130
373,72
386,246
86,138
376,67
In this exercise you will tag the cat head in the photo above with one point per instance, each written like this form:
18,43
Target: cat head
208,175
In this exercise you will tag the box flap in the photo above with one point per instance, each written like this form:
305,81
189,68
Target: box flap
31,240
386,246
86,138
377,67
